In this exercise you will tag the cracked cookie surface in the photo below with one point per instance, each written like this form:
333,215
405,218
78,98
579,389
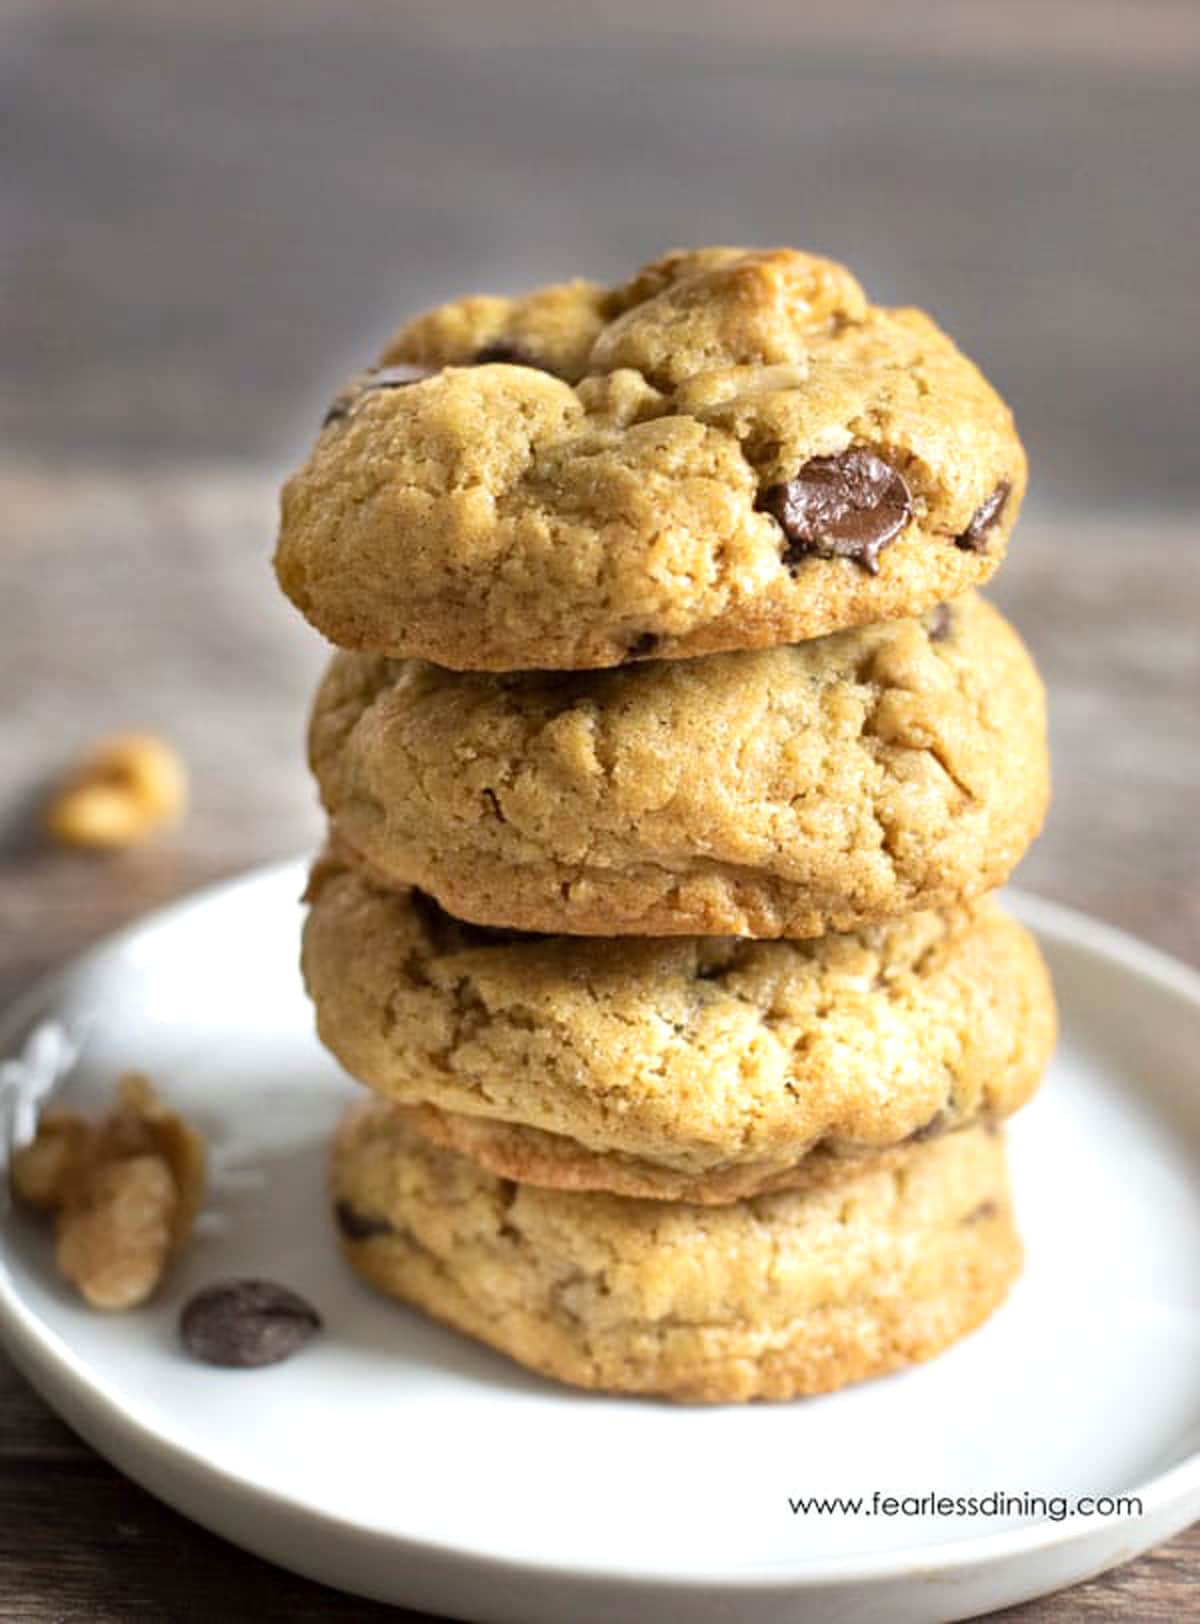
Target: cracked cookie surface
732,450
770,1298
697,1068
778,792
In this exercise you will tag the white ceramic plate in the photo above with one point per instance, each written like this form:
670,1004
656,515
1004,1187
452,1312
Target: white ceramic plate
397,1460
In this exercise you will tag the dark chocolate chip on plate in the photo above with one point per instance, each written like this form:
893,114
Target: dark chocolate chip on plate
984,519
848,506
245,1323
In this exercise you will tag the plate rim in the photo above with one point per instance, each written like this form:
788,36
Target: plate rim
39,1351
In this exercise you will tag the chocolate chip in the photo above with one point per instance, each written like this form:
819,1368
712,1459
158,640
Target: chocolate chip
642,646
513,355
360,1226
984,519
981,1213
394,377
939,623
339,408
246,1323
848,506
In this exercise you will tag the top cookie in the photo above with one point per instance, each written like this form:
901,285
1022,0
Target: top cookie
733,450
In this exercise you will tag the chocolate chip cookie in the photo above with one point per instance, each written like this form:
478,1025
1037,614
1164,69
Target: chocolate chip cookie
768,1298
778,792
690,1068
733,450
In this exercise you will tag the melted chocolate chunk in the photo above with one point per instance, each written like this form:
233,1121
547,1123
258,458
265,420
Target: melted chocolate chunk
981,1213
938,625
848,506
359,1226
642,646
984,519
246,1323
513,355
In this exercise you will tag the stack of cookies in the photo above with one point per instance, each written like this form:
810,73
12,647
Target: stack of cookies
669,757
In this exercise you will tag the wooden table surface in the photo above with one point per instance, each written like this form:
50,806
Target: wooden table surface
211,212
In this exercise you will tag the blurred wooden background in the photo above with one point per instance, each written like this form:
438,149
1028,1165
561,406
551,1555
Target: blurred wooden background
211,213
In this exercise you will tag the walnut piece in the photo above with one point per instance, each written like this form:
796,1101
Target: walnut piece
124,788
124,1191
114,1238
